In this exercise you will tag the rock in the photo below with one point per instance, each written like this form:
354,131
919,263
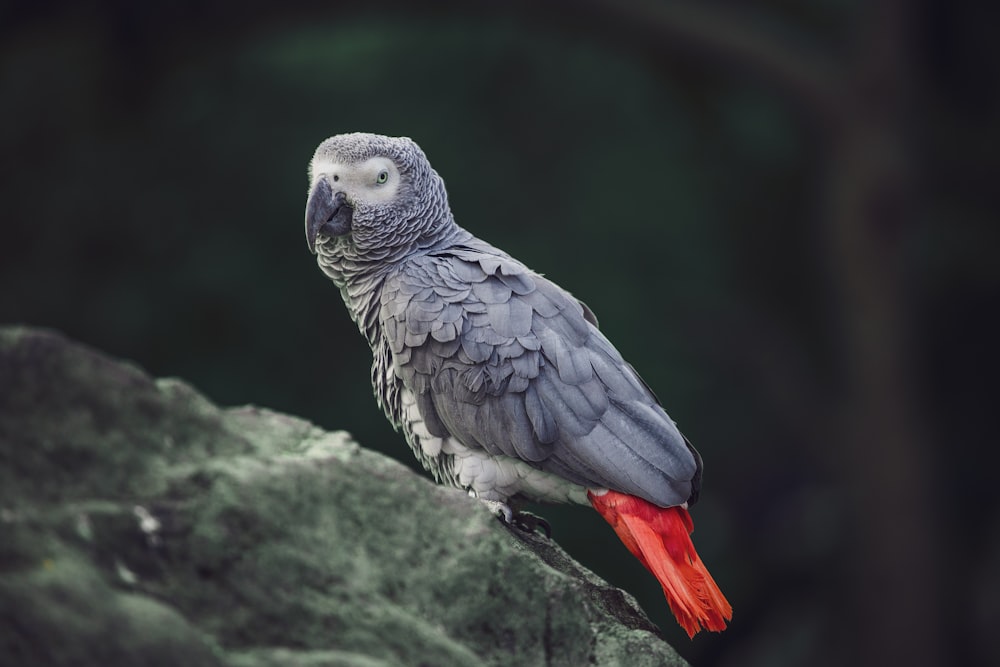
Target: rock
142,525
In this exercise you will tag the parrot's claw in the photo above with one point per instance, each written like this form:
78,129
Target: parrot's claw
500,510
525,521
530,523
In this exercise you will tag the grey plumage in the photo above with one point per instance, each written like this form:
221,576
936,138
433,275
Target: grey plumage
475,355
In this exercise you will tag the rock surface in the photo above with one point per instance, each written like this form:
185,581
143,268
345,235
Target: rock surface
142,525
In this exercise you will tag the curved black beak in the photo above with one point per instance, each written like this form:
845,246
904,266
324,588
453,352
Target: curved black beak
327,213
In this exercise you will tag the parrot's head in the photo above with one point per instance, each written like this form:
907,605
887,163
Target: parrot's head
373,195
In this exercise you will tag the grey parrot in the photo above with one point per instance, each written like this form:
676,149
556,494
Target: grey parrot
500,380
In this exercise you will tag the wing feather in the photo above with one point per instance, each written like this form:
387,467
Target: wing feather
504,360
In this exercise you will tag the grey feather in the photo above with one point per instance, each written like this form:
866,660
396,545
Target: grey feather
491,291
446,333
541,420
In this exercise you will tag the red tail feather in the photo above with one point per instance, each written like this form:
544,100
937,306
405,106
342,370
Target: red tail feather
660,538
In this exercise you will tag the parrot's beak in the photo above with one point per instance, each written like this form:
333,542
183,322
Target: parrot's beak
327,213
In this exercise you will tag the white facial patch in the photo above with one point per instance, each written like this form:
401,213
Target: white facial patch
374,181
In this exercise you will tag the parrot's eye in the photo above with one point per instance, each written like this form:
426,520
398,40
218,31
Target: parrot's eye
382,177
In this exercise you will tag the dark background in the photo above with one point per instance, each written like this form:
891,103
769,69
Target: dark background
784,214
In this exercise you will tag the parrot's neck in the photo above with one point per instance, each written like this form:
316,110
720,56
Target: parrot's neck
360,275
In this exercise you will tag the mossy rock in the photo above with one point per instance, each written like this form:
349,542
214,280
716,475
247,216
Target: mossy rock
142,525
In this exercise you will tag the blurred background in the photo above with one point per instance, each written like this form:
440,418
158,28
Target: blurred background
783,213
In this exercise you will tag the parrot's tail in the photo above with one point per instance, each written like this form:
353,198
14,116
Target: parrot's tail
661,539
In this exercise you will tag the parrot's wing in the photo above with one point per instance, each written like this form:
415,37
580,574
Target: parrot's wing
503,359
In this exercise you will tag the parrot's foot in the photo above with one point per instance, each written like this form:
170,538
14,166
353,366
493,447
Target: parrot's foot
499,509
530,523
525,521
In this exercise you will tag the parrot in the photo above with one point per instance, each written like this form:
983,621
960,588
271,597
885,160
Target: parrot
500,380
